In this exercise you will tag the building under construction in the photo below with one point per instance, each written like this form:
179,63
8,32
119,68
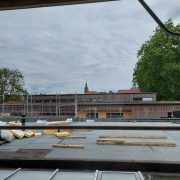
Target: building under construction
123,104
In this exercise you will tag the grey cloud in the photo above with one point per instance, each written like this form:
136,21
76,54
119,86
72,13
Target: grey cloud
59,48
175,13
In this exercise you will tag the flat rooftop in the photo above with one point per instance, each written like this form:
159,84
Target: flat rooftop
41,148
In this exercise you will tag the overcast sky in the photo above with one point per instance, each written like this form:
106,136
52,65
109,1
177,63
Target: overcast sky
58,49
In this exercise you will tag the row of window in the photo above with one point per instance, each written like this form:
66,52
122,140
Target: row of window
66,100
114,115
141,99
108,115
135,99
52,100
90,100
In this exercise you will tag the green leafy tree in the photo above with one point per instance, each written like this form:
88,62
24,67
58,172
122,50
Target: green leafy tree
11,84
158,66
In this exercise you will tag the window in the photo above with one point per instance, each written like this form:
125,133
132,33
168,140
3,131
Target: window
92,115
114,115
137,99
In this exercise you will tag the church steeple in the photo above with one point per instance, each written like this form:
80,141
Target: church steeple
86,89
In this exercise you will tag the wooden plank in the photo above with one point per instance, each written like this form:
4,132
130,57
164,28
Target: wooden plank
28,133
81,130
18,133
109,142
73,137
23,4
15,123
50,131
134,136
66,145
127,143
2,142
62,134
59,123
38,134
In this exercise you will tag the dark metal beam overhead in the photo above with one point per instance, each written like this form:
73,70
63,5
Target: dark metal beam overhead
24,4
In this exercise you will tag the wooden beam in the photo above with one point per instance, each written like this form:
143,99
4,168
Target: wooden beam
134,136
127,143
2,142
66,145
73,137
58,123
24,4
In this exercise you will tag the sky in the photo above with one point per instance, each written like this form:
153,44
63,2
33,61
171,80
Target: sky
58,49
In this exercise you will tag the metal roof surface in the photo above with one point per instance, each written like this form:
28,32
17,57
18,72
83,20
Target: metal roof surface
22,174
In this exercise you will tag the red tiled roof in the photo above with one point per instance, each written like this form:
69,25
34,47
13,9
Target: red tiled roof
92,92
128,91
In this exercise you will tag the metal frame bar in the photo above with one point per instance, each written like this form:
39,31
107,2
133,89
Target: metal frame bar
96,175
158,21
140,175
25,4
96,127
136,174
54,173
14,172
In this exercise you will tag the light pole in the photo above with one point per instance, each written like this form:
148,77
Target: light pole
76,105
59,104
3,103
31,105
27,105
56,105
42,108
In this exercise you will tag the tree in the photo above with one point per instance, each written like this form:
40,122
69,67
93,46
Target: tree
158,66
11,83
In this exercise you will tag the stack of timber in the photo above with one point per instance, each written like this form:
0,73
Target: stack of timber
9,135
